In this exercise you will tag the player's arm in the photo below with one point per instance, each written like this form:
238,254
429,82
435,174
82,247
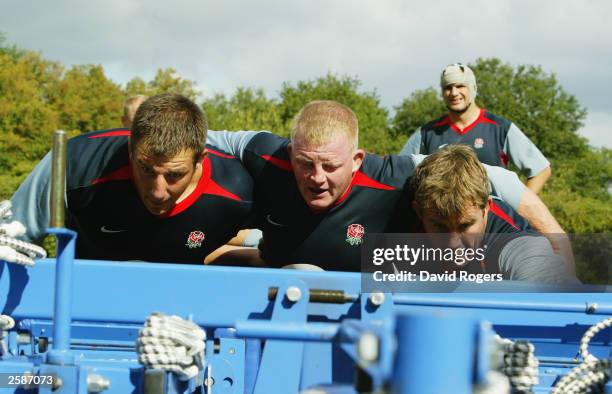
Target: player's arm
531,258
248,237
536,183
528,158
30,203
413,145
235,256
232,142
533,209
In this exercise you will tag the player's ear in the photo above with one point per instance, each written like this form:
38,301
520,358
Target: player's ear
486,208
358,157
199,157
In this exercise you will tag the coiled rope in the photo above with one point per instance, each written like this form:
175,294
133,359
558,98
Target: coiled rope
592,374
172,344
12,249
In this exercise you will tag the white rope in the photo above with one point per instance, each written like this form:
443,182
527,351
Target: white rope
172,344
12,249
516,360
6,323
592,374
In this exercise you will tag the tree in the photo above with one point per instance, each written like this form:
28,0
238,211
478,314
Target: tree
374,133
86,100
26,119
247,109
421,107
535,102
166,81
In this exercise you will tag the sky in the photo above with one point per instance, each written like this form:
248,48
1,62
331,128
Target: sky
393,46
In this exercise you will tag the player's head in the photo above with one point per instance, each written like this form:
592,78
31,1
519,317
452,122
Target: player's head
130,106
458,85
451,192
167,143
324,152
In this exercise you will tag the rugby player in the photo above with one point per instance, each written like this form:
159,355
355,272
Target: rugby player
494,139
452,196
157,193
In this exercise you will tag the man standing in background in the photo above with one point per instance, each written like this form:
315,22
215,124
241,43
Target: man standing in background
494,139
129,109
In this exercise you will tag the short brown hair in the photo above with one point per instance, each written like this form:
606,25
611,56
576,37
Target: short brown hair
321,122
168,124
450,181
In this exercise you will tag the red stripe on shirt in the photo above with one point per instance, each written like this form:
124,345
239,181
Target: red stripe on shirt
217,153
122,174
504,158
206,185
280,163
496,209
480,119
112,133
361,179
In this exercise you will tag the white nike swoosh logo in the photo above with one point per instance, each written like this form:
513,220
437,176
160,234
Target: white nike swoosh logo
272,222
109,231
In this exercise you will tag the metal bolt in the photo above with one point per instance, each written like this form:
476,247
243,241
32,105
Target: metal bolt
377,298
57,383
97,383
591,308
209,381
293,293
232,350
367,347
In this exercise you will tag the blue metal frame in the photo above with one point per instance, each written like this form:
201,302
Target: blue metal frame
420,337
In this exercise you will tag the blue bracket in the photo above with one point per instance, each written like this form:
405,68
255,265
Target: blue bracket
227,362
66,241
281,363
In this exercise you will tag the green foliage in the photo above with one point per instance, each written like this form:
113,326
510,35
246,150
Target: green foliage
374,133
419,108
166,81
247,109
535,102
26,119
86,100
577,193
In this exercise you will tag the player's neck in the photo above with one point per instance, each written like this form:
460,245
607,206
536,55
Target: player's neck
465,118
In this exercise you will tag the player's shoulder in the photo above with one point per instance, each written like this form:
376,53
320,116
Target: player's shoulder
268,144
436,124
497,120
507,216
95,155
228,171
393,170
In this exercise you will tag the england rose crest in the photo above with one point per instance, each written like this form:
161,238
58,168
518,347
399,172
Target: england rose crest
354,234
195,239
478,143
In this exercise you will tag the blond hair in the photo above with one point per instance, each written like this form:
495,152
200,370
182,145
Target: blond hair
450,181
320,122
